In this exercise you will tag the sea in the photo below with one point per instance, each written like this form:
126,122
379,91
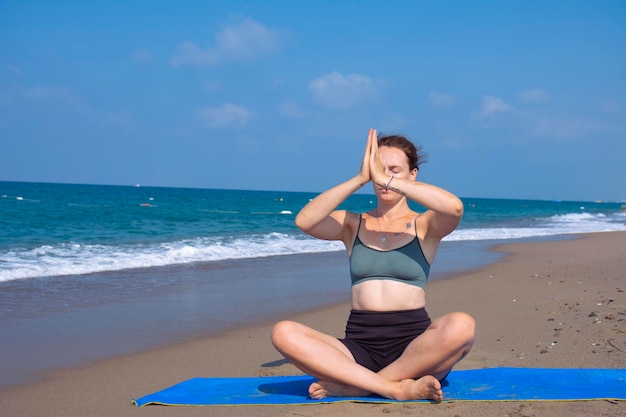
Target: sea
90,264
52,230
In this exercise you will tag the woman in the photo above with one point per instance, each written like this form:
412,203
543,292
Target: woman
391,347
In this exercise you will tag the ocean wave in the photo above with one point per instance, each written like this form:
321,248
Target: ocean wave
81,258
559,224
77,259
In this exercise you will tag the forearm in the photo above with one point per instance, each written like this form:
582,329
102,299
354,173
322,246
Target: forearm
427,195
321,207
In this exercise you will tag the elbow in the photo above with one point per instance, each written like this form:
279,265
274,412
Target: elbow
301,222
457,209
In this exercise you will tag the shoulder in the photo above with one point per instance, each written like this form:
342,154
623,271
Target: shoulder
350,222
433,225
346,219
349,218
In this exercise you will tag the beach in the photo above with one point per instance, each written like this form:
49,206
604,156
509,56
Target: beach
558,303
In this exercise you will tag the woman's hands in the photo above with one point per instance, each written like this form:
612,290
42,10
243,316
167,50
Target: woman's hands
376,168
371,166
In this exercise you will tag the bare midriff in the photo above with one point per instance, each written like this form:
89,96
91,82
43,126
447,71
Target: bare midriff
387,295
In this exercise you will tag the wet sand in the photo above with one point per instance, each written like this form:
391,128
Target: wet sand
545,304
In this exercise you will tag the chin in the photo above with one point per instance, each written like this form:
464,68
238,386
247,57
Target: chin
389,196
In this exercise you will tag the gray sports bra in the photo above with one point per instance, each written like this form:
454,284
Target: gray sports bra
405,264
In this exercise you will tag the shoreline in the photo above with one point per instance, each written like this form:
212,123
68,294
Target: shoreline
53,323
542,304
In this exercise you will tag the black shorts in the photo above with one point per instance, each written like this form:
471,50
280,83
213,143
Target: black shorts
377,338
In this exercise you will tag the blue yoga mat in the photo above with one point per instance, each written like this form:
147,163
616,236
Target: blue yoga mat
489,384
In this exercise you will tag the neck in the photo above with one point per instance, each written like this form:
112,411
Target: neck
395,210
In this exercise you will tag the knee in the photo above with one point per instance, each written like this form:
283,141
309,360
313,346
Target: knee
461,328
282,332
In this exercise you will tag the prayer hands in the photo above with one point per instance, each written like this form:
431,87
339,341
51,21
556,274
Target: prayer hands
371,167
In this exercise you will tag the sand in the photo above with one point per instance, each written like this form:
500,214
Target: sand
545,304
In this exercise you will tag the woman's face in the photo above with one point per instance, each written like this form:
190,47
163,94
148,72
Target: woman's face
395,163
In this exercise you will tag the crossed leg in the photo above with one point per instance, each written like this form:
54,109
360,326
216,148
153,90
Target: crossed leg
429,357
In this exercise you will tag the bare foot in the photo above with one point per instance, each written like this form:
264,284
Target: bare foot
322,389
426,388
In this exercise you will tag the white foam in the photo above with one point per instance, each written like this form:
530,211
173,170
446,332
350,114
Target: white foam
572,223
75,258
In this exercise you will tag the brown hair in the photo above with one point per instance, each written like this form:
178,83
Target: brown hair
413,153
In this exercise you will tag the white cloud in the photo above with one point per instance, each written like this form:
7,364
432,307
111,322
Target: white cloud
224,116
141,55
526,122
493,105
441,100
560,126
533,95
243,40
336,91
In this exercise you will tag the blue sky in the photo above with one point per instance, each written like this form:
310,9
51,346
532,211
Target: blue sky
510,99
